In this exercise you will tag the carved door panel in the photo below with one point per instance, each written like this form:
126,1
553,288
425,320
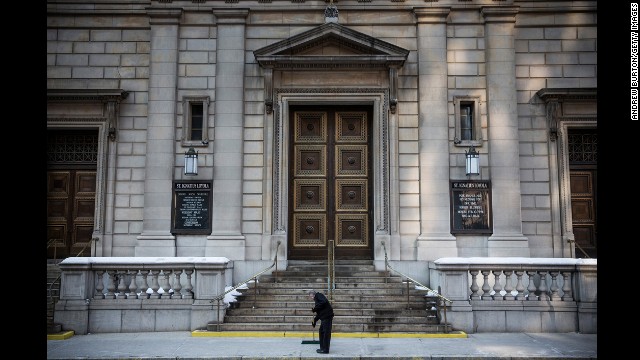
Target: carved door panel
71,192
583,211
70,212
330,182
583,171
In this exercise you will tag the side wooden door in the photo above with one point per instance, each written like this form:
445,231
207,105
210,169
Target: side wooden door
330,182
583,211
71,192
583,158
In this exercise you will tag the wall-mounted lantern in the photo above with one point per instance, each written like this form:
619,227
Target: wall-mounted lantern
191,162
472,161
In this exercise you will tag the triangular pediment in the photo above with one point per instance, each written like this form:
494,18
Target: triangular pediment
331,44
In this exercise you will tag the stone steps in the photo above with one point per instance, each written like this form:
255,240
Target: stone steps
364,300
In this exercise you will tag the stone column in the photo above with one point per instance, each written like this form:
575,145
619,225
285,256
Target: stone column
156,238
435,239
228,140
503,143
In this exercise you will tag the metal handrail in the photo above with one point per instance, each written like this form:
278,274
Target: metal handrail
54,240
49,243
386,265
255,288
331,270
444,305
580,248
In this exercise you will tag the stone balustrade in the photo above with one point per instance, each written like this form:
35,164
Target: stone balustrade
511,294
132,294
518,294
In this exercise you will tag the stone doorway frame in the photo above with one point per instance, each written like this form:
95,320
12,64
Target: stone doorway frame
94,109
278,145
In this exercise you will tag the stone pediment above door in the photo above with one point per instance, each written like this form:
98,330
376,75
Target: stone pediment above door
330,46
334,44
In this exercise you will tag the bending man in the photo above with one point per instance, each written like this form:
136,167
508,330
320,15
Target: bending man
324,313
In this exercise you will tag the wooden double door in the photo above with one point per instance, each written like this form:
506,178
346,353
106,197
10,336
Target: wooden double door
71,192
330,182
583,159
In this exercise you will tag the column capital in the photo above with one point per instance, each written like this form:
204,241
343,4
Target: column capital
432,15
499,14
166,16
231,16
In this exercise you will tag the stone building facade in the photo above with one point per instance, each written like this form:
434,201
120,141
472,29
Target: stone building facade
316,123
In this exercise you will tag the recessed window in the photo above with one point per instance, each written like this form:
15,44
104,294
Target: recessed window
195,111
467,121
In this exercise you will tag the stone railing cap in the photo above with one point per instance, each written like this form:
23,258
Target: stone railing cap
514,260
144,260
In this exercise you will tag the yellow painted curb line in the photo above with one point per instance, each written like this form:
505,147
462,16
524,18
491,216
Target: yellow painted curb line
206,333
453,334
64,335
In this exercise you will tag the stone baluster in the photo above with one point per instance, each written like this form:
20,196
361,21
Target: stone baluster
99,286
145,284
177,287
154,284
507,285
497,287
555,295
474,285
188,293
133,286
532,286
566,286
120,277
543,286
111,286
166,285
486,288
519,286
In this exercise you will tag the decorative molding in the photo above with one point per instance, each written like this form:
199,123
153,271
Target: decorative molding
564,94
373,53
164,16
499,14
553,97
435,15
106,127
552,118
381,158
393,89
110,98
85,95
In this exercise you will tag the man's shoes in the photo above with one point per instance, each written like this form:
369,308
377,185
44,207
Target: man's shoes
320,351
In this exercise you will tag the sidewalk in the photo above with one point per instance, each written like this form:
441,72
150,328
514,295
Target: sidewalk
212,345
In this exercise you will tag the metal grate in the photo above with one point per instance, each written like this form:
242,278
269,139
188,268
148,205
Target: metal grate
583,147
72,148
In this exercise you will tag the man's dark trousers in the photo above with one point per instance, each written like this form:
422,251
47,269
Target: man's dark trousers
325,334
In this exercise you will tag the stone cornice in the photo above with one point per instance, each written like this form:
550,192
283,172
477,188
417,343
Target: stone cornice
84,95
499,14
231,16
164,15
554,96
432,15
561,94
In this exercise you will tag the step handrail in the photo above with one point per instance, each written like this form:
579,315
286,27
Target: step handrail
254,278
571,241
331,269
386,265
51,241
275,263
